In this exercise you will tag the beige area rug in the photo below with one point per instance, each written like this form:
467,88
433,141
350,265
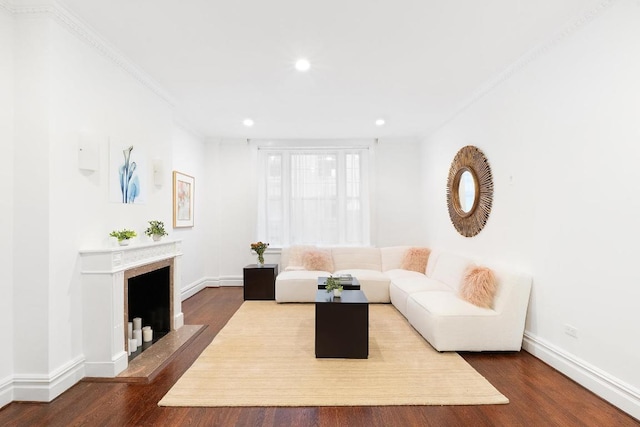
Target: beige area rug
265,356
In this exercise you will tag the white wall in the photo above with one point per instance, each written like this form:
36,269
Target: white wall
396,178
397,194
562,136
212,209
31,197
188,157
90,95
237,207
6,204
64,88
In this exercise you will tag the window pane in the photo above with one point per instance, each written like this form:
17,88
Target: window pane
353,175
273,200
313,175
353,222
314,197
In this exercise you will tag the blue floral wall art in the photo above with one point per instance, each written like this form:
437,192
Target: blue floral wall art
126,173
129,181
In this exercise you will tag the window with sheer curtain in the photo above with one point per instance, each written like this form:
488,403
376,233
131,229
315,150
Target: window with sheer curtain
314,196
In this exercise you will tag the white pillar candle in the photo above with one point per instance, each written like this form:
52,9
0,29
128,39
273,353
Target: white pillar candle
137,335
146,328
133,345
147,335
137,323
130,330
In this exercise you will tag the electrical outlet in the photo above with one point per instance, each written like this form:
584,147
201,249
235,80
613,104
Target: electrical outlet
571,331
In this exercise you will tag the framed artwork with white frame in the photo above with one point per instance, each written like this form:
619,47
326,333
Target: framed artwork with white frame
183,198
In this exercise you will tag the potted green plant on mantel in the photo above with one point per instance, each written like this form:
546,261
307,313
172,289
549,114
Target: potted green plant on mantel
333,284
156,230
123,236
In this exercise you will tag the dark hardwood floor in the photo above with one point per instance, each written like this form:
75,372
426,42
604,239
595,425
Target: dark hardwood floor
539,395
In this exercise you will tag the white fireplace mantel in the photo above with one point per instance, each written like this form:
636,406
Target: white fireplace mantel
103,274
120,258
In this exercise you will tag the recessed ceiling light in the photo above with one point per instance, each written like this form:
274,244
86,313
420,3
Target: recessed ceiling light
380,122
302,64
247,122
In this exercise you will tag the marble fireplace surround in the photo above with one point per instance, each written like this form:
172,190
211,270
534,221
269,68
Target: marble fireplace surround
104,292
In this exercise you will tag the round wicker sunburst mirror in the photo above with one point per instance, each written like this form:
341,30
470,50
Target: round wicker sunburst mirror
469,191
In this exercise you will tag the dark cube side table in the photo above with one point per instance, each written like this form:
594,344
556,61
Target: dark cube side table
260,282
342,325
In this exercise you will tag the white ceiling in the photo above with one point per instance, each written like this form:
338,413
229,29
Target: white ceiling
411,62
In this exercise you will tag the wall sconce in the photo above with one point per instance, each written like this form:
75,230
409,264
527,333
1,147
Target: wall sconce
88,153
158,170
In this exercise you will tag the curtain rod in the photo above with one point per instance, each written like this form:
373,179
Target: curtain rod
313,144
318,148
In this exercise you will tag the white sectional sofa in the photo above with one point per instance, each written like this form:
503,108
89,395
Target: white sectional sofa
429,300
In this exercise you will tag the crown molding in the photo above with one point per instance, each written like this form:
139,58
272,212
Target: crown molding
186,126
526,59
85,33
31,9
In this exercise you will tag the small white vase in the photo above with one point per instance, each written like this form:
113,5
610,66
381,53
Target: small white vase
156,237
123,242
337,293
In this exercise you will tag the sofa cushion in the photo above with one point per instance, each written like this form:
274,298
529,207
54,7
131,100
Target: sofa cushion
298,286
302,275
450,269
317,259
374,284
452,324
357,258
392,257
295,253
398,273
364,275
478,287
445,303
415,259
401,288
420,284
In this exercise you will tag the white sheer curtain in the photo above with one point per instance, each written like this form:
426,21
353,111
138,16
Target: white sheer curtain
314,196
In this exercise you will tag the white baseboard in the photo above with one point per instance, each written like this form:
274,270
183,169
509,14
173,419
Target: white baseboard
178,320
195,287
210,282
231,281
6,391
611,389
45,388
107,369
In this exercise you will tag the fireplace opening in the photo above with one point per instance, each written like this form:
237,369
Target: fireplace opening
149,298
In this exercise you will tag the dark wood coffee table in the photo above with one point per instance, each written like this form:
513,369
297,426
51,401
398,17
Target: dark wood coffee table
342,325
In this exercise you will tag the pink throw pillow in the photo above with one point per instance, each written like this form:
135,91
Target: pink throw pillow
415,259
295,254
317,260
479,287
